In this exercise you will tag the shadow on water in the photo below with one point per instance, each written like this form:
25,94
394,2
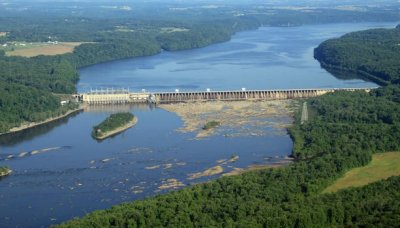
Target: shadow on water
347,75
30,133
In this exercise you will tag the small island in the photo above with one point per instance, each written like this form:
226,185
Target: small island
210,125
5,171
114,124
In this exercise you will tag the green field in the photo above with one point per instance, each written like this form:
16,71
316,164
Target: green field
34,49
382,166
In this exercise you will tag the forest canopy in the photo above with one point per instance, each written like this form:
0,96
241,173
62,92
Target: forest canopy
124,34
373,54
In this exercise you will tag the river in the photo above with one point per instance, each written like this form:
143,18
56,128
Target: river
60,172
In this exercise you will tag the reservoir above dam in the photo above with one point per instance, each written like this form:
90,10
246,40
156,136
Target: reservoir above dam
60,171
267,58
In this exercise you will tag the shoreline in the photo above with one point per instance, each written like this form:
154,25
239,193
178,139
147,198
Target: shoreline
362,75
251,168
118,130
29,125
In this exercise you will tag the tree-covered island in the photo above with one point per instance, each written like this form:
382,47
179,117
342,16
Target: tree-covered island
114,124
345,130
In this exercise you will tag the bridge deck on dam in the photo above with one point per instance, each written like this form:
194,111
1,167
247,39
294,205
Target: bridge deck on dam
124,96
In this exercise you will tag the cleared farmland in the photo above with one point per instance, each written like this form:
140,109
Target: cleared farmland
382,166
35,49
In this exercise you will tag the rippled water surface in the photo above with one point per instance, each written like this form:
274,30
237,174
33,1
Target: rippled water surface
60,172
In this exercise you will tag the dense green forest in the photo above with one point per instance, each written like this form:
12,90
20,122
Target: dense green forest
343,131
112,122
374,54
124,34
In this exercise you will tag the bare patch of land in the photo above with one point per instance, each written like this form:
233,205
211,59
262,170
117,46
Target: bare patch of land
36,49
245,118
173,29
170,184
209,172
382,166
121,28
3,34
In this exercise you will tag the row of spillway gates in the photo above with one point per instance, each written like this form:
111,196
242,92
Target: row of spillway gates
107,96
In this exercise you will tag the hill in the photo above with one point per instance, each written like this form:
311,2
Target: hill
373,54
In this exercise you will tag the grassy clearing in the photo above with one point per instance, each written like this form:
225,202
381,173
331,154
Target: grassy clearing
35,49
382,166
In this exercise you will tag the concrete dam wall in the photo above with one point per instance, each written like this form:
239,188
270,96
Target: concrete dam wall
118,97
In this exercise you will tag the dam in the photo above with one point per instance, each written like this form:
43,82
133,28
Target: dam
123,96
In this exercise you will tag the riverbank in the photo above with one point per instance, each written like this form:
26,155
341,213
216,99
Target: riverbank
364,75
238,171
35,124
117,130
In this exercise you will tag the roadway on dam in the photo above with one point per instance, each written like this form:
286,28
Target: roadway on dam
60,171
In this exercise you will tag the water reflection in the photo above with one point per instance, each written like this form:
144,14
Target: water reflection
30,133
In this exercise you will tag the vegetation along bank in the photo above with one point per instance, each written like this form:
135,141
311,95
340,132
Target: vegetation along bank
344,130
29,86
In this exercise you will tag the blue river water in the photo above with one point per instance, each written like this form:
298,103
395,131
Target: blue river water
60,172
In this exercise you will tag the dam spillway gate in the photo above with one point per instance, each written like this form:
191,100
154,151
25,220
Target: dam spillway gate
125,96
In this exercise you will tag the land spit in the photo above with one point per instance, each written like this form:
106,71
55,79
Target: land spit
28,125
238,118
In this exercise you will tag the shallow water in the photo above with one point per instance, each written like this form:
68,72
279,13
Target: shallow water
60,172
